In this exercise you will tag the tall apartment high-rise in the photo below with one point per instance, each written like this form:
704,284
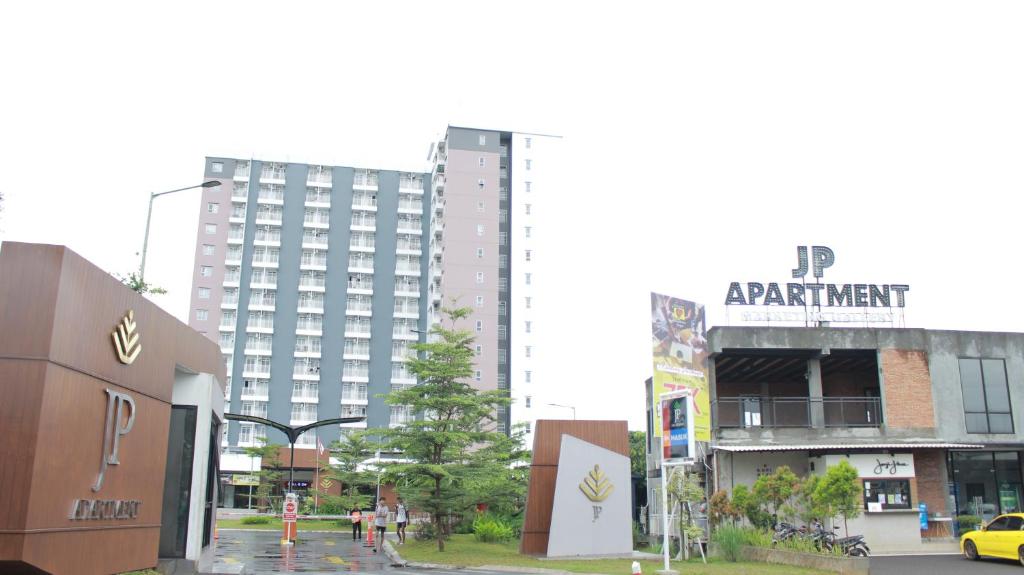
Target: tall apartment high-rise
306,337
296,267
489,188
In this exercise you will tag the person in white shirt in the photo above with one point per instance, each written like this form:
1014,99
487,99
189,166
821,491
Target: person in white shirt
401,520
380,520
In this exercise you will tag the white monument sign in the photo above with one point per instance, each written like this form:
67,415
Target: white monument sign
590,515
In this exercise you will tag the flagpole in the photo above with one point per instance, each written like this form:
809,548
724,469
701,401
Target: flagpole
316,480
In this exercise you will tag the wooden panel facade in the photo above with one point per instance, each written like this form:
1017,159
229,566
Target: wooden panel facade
57,361
547,446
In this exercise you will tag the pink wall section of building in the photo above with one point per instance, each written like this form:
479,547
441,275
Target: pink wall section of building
461,264
222,196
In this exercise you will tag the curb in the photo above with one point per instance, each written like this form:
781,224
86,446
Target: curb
396,559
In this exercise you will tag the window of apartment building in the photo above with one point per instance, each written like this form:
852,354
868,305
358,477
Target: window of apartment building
204,293
481,183
482,161
479,229
528,278
479,277
477,375
480,207
217,167
212,207
527,142
202,315
503,261
529,255
529,163
211,229
208,249
483,139
528,352
986,397
527,427
205,271
479,252
529,302
527,231
479,301
528,185
528,398
529,327
527,376
528,208
502,238
479,325
479,350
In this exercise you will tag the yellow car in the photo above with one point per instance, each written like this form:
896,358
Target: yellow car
1003,537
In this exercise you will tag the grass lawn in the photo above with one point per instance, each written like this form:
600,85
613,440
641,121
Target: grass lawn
464,551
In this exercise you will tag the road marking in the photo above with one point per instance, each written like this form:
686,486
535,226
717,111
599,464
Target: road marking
335,560
329,543
231,560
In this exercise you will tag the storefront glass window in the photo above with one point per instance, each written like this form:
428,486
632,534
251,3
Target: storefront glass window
986,483
890,493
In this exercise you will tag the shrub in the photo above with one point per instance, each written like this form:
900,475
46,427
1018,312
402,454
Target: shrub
343,522
489,529
968,522
730,539
255,520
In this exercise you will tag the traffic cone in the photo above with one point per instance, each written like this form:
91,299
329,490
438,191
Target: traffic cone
369,531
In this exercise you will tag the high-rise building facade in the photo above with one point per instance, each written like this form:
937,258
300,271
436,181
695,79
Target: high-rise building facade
489,188
315,280
311,279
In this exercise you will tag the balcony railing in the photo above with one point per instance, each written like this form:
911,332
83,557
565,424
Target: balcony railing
777,412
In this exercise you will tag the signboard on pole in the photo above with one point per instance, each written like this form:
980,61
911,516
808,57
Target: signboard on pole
291,508
680,351
677,437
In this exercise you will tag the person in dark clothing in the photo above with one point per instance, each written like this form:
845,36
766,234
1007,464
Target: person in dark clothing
357,523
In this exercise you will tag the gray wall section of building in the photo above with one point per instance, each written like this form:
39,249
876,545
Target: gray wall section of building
332,344
282,360
469,139
505,297
238,355
227,173
378,413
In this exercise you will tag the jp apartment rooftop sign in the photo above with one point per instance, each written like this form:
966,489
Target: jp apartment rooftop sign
812,291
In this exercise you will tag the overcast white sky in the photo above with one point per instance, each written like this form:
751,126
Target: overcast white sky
704,140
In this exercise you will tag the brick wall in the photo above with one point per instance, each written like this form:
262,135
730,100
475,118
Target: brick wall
907,386
932,481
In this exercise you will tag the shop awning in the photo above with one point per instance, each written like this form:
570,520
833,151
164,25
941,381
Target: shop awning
845,447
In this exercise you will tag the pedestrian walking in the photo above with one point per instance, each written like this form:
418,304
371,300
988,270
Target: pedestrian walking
381,522
401,520
357,523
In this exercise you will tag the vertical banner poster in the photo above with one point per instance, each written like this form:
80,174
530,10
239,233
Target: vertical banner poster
680,350
677,433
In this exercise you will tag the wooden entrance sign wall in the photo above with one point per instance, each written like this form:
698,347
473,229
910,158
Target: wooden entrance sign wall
547,442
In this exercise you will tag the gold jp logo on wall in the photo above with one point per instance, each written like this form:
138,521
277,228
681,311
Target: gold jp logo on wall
126,341
596,486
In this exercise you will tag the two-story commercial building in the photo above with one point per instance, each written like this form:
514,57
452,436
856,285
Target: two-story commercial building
925,417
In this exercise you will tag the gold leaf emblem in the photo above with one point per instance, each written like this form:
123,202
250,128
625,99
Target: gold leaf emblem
596,485
126,341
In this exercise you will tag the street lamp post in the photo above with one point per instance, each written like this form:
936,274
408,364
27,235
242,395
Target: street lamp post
573,408
149,216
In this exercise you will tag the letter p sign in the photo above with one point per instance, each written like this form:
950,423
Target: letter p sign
113,430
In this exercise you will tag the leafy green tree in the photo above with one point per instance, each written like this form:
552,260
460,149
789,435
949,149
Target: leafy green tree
839,492
776,488
805,504
638,453
350,451
138,285
270,472
445,449
684,488
501,475
747,504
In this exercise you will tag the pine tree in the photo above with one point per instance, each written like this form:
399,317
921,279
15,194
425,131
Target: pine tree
350,452
447,448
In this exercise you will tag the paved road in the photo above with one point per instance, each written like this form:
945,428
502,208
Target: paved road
940,565
242,552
